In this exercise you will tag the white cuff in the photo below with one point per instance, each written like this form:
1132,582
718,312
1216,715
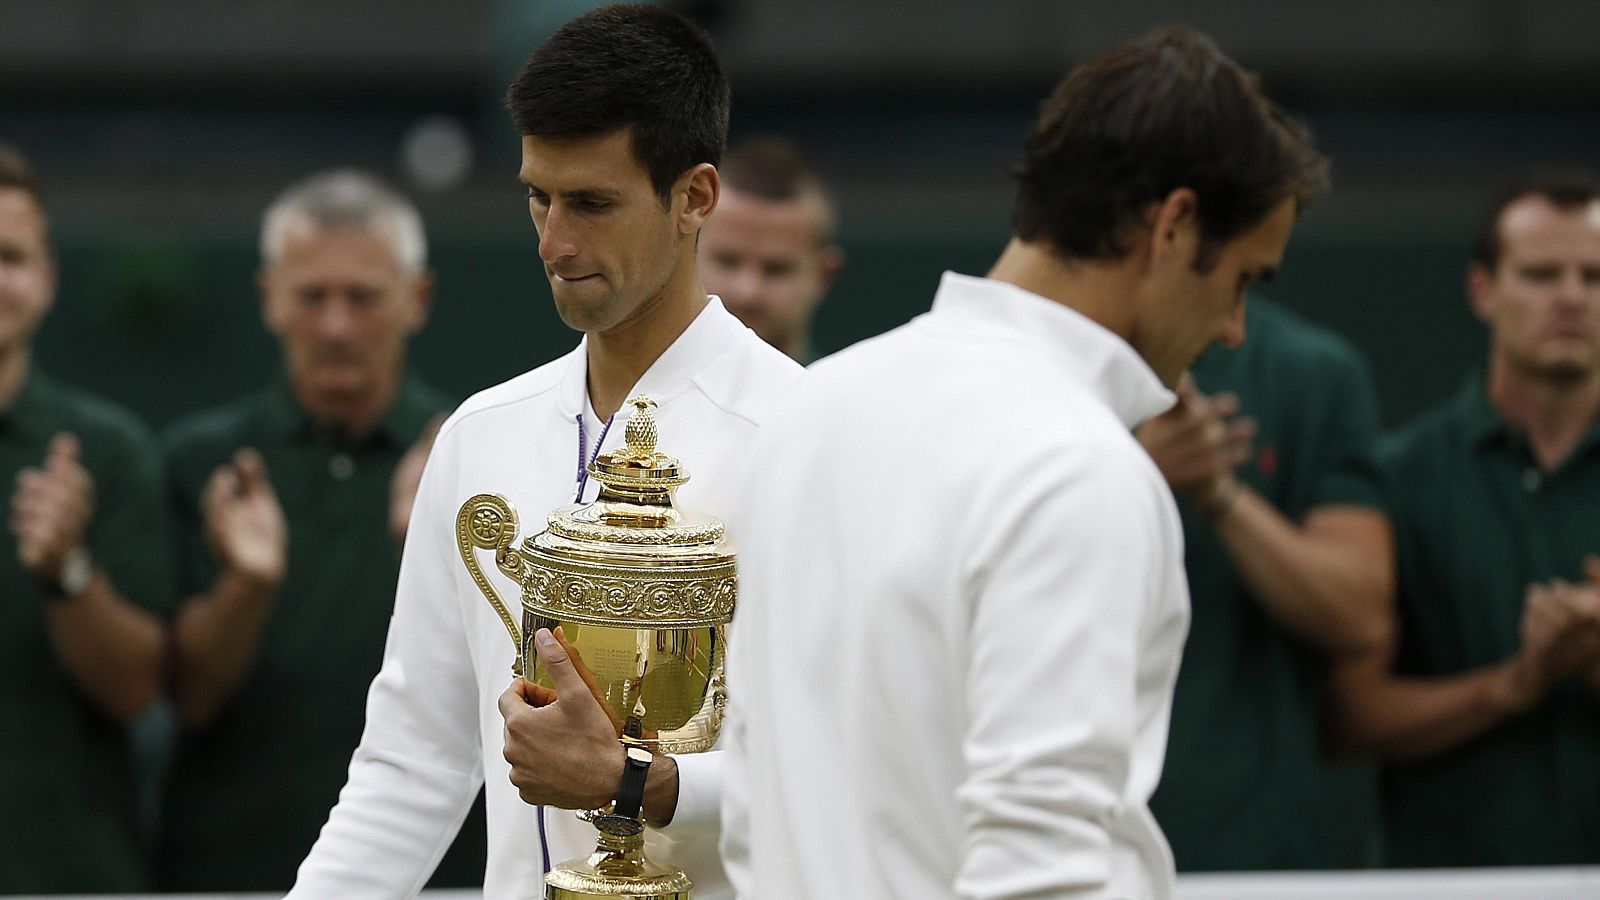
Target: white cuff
699,794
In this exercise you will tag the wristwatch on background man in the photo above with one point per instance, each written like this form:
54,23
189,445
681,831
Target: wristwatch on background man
77,571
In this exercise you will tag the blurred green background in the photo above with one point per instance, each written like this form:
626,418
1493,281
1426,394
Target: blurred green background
163,129
170,326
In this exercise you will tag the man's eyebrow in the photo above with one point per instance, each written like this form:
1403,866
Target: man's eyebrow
578,194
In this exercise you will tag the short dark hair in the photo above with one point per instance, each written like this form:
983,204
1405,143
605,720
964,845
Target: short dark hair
1132,124
1567,189
17,173
623,66
774,169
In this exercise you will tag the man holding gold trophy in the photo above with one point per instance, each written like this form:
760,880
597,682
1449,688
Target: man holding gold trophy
623,114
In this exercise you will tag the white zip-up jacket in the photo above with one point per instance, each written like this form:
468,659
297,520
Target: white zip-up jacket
962,605
434,732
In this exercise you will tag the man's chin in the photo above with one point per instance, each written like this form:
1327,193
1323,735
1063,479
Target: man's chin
10,336
1567,367
586,315
339,385
15,328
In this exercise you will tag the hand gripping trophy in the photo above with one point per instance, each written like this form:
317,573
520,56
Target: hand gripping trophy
644,593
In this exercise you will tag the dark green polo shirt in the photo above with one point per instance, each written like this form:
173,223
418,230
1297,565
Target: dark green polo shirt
1476,521
66,783
250,792
1245,786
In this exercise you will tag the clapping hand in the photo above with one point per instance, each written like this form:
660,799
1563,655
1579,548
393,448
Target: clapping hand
1198,443
244,523
51,507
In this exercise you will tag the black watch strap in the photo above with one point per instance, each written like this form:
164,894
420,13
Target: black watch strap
630,795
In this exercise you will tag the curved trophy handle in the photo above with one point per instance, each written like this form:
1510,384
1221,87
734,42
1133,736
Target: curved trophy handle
488,522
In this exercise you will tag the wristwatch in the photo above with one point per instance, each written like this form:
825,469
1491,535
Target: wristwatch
630,794
77,570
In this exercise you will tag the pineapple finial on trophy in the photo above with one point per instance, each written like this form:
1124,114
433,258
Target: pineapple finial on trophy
641,436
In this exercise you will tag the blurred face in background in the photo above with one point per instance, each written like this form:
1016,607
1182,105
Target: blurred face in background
771,262
343,308
27,272
1542,300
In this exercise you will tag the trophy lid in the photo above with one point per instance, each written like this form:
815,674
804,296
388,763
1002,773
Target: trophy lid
632,556
638,503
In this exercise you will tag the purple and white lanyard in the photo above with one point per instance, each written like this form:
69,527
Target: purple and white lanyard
586,457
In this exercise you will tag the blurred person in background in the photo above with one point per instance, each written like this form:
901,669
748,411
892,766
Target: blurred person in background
85,572
1486,710
954,524
292,505
1271,453
623,114
769,251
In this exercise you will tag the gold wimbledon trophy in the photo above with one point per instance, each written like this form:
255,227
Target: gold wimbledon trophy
644,593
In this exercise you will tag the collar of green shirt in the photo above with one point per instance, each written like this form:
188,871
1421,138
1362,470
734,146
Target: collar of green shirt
398,427
1484,427
35,412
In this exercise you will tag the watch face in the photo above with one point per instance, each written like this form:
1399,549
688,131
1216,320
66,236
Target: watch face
77,570
618,826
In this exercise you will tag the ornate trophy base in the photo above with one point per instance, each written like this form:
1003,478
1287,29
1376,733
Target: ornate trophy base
617,870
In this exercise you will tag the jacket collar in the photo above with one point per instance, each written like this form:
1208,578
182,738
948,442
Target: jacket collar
712,333
1111,368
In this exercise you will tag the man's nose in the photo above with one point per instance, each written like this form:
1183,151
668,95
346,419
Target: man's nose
1573,289
555,236
743,286
337,320
1233,331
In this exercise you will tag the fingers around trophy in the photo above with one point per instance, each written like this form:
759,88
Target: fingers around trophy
554,655
512,700
590,680
558,663
574,654
538,694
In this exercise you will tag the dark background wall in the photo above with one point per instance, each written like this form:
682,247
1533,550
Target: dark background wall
163,127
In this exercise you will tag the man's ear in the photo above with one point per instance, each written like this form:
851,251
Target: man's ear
52,280
700,187
1480,290
421,300
830,259
1175,229
269,309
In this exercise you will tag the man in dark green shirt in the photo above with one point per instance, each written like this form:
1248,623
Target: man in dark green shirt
1287,557
1488,708
291,505
85,561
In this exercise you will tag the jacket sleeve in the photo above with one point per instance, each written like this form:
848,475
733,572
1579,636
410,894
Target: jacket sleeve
699,796
419,765
1060,585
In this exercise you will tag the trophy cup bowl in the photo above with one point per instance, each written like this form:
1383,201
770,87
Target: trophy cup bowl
643,593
